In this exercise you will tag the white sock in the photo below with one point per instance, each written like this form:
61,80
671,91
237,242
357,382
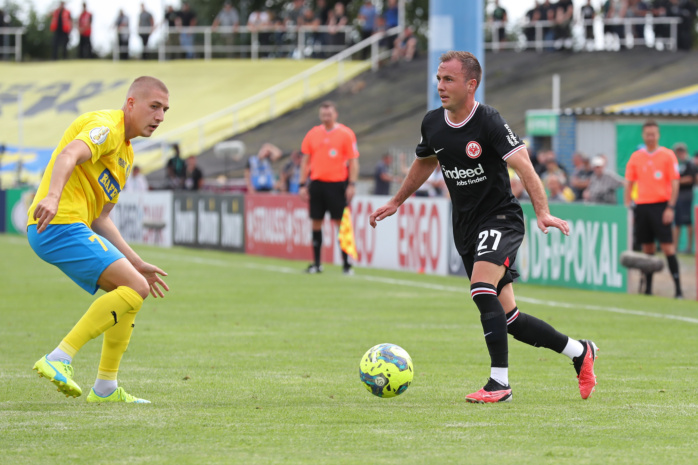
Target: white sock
501,375
59,355
104,387
573,349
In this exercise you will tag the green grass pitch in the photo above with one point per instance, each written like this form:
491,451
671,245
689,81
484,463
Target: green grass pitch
248,360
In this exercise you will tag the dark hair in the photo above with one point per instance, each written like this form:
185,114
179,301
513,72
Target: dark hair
328,104
469,64
650,123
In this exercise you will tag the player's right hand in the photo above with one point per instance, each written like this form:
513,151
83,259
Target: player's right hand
383,212
303,193
44,212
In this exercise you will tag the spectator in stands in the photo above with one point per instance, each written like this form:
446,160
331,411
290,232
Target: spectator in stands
145,28
194,176
517,187
186,18
289,178
637,9
171,17
405,45
122,32
337,19
367,23
660,10
312,36
259,174
499,15
532,17
3,43
434,186
581,174
564,12
588,14
85,30
228,17
685,10
684,203
383,176
391,14
657,193
257,22
61,25
557,191
615,10
175,170
603,185
137,182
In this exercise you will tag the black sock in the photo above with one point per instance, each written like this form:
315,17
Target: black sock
494,323
317,246
674,269
648,283
345,257
535,332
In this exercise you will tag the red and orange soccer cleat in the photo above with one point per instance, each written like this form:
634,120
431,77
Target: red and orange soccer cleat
491,393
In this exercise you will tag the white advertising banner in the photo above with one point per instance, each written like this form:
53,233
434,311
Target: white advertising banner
417,238
145,217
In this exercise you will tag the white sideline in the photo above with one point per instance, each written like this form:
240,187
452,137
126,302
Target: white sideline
439,287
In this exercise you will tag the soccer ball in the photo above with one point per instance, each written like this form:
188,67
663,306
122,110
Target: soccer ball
386,370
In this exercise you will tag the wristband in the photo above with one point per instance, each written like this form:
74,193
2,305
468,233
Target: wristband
352,183
671,207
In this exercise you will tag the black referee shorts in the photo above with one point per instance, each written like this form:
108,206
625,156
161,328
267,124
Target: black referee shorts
649,226
327,196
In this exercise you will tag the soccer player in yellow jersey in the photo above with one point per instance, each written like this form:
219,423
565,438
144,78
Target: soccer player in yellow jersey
69,227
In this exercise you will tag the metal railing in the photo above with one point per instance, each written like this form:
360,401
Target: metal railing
244,41
626,35
230,121
5,48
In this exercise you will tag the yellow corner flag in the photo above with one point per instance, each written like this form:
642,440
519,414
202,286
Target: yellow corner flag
346,234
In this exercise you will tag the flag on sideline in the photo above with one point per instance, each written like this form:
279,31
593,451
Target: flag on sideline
346,234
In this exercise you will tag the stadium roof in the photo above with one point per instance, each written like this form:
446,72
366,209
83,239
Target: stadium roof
680,102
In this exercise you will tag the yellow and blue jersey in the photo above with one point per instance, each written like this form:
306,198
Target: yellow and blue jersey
97,181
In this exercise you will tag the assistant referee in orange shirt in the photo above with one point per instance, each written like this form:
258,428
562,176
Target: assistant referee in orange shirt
655,170
331,162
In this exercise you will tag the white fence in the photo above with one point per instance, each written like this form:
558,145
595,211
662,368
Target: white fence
6,49
609,34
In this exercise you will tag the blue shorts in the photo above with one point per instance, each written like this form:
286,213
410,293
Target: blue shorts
76,250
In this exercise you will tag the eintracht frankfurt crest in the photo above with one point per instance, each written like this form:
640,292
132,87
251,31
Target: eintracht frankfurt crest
473,149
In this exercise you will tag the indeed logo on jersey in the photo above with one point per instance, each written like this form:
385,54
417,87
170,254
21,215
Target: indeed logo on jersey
110,186
465,177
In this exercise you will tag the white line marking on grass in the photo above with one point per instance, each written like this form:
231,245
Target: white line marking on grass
440,287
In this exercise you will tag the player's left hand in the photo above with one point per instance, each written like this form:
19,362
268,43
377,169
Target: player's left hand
150,273
546,221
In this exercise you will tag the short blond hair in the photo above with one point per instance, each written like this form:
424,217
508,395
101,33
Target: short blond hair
145,83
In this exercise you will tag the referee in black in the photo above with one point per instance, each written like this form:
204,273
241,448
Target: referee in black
474,145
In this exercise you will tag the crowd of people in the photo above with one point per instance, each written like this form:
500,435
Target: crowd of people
274,29
555,20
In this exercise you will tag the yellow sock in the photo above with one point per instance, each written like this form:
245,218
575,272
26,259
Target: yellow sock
104,313
115,343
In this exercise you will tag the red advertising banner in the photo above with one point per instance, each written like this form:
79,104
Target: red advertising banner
279,226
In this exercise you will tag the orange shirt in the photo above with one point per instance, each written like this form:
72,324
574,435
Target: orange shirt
652,173
329,152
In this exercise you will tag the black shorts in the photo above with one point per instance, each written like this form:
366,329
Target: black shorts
649,226
683,214
327,196
495,244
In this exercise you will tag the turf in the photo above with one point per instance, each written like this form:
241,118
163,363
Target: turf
248,360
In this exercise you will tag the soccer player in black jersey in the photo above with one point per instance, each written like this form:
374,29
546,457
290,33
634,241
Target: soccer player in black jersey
474,145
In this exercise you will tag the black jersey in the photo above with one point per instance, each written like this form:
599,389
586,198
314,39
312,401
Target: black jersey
472,155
